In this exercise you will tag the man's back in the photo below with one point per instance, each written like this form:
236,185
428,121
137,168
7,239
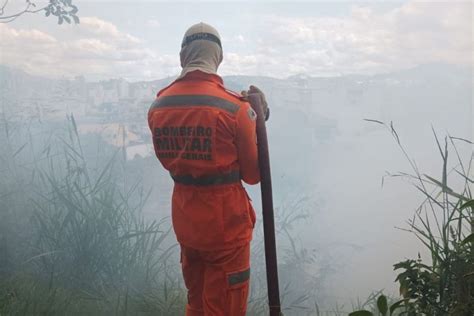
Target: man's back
205,136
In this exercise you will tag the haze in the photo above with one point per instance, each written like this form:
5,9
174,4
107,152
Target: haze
324,66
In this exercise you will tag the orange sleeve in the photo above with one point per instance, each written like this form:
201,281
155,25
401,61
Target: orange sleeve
246,142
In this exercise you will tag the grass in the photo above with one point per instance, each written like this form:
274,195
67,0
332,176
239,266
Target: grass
74,240
80,243
444,224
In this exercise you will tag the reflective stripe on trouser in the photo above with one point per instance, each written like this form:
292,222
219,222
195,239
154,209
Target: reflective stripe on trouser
217,281
226,178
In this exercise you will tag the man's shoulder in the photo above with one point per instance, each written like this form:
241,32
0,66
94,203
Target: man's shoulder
165,88
235,96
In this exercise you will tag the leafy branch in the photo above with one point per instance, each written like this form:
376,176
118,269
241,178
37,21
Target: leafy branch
64,10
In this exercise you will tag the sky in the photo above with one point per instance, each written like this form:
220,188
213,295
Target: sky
140,40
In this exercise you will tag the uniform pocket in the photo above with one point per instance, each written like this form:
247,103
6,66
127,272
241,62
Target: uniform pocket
251,211
237,215
237,291
253,217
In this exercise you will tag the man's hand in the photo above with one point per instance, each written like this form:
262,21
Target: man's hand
256,91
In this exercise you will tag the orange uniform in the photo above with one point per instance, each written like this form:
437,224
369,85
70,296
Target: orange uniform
204,135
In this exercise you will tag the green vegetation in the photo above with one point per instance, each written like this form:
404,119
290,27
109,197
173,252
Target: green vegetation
443,224
73,239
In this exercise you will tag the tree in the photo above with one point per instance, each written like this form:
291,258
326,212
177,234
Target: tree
64,10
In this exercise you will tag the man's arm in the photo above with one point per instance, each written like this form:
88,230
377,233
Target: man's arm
246,142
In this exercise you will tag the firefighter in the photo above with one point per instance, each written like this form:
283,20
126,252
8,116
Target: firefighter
204,135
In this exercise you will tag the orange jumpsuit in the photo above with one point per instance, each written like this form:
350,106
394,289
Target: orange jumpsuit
204,135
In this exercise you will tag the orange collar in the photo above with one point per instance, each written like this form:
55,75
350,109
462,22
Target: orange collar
200,75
